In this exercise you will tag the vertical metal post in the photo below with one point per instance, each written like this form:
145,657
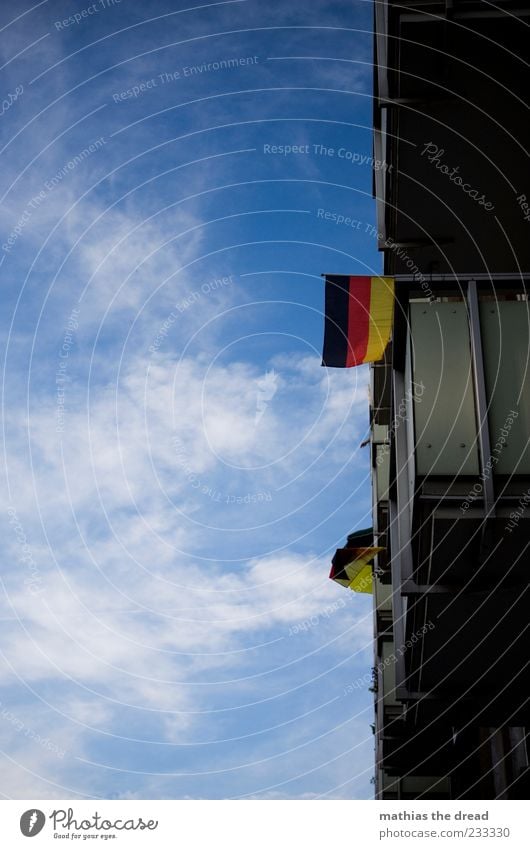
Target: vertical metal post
481,403
498,763
404,453
400,530
398,601
518,753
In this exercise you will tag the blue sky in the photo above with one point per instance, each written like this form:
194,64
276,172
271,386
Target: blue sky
178,467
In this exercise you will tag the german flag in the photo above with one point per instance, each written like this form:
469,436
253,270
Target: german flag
358,320
351,568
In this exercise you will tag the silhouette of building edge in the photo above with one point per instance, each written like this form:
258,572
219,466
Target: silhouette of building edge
450,403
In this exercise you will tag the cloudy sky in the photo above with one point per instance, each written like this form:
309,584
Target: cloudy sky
178,468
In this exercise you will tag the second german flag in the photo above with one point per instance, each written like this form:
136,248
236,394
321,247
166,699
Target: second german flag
358,320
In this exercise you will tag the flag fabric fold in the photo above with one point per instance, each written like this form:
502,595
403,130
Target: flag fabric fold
358,319
351,566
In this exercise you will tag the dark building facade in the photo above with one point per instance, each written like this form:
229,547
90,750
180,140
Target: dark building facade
450,404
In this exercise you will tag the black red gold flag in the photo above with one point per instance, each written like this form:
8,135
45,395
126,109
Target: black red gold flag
358,319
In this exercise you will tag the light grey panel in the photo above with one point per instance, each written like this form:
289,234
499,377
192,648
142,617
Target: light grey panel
506,343
389,673
383,595
444,408
382,471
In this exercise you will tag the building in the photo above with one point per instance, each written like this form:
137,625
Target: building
450,403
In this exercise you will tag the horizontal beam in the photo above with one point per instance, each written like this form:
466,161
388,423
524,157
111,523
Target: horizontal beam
390,102
402,694
464,14
412,588
442,278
